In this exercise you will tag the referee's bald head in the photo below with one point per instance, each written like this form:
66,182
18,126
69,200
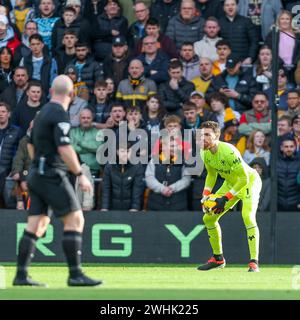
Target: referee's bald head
62,85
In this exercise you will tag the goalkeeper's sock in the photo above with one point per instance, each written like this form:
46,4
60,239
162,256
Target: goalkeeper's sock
219,257
215,239
72,244
25,253
253,242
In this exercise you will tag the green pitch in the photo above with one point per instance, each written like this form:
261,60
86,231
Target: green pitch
160,282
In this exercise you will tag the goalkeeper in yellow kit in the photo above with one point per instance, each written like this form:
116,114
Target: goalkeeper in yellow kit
241,183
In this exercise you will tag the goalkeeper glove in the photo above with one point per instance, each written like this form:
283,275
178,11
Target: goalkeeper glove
205,196
220,206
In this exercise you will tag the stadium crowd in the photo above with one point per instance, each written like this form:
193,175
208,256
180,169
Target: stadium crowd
164,64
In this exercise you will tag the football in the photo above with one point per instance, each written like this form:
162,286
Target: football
211,201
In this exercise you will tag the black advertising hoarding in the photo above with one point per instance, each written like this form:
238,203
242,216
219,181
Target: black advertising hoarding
152,237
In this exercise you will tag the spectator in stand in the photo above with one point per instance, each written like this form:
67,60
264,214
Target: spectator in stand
66,23
154,61
66,53
223,52
210,8
111,23
88,70
177,90
100,106
24,113
21,13
111,88
8,37
135,90
230,134
263,14
295,133
117,115
80,88
153,118
282,91
259,164
257,146
186,26
6,68
116,64
289,46
167,180
288,167
85,142
238,86
197,97
163,11
15,93
9,139
93,7
46,21
40,66
240,32
258,118
19,171
137,30
284,126
262,69
219,106
76,106
293,103
189,60
203,81
206,48
23,50
163,43
123,183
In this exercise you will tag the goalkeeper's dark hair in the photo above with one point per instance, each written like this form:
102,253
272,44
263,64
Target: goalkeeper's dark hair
212,125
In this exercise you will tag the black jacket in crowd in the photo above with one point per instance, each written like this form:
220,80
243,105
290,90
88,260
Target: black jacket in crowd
116,69
62,60
80,26
173,99
242,36
9,96
163,12
288,189
246,87
211,8
102,36
9,145
91,72
168,174
123,187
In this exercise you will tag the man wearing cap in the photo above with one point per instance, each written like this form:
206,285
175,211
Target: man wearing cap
230,134
115,65
8,38
109,24
238,86
197,97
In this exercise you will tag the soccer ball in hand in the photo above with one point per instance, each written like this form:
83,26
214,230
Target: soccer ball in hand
211,202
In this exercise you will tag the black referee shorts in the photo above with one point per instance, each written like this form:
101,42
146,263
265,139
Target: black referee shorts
53,191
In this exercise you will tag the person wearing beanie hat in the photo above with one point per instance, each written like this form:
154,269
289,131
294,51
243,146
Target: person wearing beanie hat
80,88
230,134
